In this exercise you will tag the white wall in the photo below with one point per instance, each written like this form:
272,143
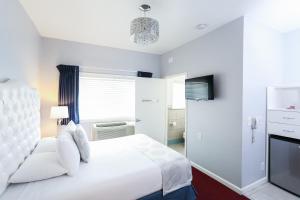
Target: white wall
219,122
55,52
263,62
19,44
292,57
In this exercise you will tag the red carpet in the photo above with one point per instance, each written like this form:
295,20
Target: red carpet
209,189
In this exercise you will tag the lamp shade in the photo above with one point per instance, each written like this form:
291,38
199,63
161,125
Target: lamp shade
59,112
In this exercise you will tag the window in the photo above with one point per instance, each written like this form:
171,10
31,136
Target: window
106,98
178,95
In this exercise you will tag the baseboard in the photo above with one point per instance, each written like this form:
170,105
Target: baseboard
230,185
247,189
218,178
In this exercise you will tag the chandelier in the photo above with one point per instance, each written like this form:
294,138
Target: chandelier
144,30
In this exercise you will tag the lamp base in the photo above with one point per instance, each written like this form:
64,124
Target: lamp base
59,121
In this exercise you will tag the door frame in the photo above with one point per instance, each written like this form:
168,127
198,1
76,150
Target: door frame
185,74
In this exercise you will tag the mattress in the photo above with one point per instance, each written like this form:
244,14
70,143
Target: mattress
115,172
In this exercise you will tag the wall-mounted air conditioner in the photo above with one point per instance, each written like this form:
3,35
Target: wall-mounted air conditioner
102,131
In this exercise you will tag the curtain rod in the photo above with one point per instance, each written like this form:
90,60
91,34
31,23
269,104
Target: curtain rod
100,70
87,68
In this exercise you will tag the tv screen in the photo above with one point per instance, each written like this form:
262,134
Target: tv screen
200,88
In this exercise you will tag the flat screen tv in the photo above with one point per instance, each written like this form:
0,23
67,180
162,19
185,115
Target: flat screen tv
200,88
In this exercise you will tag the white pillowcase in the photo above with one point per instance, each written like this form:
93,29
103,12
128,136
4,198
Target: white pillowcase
68,153
46,145
3,182
70,127
82,142
38,166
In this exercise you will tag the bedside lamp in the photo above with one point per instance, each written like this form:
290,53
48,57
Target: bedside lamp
59,113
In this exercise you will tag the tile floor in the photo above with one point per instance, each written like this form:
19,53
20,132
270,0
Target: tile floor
270,192
178,147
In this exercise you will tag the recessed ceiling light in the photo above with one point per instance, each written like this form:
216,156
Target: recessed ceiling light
201,26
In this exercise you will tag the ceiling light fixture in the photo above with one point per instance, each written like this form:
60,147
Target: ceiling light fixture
144,30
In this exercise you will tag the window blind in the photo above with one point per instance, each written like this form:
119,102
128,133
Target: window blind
106,98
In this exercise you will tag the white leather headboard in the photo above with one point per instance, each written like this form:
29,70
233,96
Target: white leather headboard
19,126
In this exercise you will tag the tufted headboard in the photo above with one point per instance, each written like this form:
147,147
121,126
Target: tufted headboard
19,126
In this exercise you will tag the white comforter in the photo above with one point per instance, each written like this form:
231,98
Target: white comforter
119,169
175,168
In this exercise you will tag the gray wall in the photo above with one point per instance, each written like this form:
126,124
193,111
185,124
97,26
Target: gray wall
214,128
292,58
263,67
19,44
56,52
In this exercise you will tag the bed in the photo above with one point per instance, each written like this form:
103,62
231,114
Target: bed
132,167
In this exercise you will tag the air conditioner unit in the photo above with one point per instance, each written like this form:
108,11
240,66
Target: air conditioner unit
103,131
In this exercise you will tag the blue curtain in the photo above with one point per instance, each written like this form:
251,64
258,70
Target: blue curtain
68,91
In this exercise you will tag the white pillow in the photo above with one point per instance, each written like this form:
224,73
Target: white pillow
70,127
46,145
68,153
3,182
38,166
82,143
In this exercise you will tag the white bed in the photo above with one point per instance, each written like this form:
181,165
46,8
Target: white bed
114,172
119,169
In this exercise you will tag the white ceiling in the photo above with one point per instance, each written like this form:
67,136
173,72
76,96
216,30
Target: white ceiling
106,22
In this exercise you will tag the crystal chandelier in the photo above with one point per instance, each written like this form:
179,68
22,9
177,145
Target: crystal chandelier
144,30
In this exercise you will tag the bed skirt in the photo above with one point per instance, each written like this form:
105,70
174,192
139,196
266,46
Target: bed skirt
185,193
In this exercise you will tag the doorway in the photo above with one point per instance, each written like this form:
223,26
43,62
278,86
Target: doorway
176,113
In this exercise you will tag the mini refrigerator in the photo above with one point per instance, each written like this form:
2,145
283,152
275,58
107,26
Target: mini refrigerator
284,163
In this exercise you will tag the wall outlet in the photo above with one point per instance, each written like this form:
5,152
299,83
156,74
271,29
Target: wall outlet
262,166
200,136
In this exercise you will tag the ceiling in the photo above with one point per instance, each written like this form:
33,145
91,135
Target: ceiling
106,22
